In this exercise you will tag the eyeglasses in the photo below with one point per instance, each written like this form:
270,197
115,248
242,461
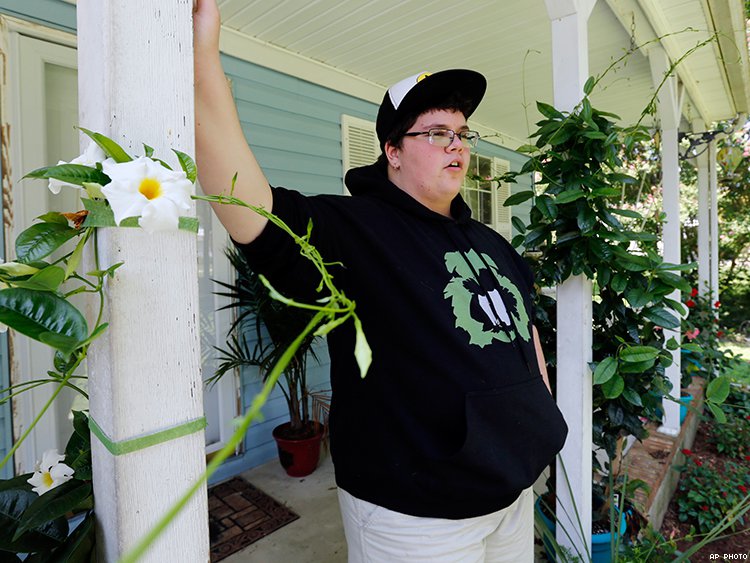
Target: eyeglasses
441,137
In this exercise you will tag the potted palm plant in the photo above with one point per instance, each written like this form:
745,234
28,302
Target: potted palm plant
262,330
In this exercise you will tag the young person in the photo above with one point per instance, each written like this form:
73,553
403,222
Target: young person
435,451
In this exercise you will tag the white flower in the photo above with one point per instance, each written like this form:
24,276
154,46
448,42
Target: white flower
90,157
146,188
50,473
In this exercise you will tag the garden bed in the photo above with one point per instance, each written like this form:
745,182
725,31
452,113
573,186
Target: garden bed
705,453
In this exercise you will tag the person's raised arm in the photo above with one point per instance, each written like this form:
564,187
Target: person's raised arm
220,146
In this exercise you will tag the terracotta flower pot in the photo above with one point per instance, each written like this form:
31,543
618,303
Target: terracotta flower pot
298,456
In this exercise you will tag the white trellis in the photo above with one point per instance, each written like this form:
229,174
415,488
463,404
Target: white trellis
136,85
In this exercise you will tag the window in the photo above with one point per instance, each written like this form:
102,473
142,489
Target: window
484,198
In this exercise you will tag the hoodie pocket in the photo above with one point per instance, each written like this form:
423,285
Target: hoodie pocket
512,434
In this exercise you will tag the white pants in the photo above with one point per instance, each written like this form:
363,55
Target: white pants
377,535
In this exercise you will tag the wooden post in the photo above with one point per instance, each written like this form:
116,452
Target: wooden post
704,229
135,85
669,110
574,304
713,188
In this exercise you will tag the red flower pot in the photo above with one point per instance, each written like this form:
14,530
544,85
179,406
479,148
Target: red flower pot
299,456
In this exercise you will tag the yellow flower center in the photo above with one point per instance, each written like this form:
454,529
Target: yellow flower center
150,188
47,479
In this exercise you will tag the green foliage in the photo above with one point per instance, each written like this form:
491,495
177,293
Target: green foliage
732,437
575,229
38,524
707,494
274,326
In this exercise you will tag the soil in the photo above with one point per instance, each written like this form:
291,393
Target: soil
737,545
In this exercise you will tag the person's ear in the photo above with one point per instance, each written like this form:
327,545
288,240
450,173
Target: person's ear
393,155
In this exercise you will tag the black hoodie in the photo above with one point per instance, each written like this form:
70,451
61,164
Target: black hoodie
453,419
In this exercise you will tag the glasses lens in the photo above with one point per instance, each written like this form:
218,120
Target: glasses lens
441,137
469,138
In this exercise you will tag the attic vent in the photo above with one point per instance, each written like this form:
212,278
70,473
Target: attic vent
502,216
359,143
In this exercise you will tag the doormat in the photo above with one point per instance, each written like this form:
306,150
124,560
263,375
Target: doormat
240,514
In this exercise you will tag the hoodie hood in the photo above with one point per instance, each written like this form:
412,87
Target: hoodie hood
372,181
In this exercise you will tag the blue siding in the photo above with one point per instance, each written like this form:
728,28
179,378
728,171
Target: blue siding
51,13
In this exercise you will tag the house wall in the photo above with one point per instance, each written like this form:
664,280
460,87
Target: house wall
294,128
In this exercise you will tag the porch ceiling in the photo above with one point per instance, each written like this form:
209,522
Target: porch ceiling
510,43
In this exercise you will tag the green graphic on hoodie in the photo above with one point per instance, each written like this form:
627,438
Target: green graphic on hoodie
464,288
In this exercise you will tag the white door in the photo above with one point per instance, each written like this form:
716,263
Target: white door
44,112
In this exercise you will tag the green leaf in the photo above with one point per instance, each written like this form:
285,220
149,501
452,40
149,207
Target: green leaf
109,147
619,283
527,149
518,224
53,504
589,86
362,350
53,217
661,317
717,412
79,546
567,237
519,197
42,239
672,344
547,206
548,111
632,354
16,269
637,367
187,164
76,174
632,397
13,503
586,219
718,390
100,213
617,177
190,224
47,279
148,151
605,370
93,190
569,195
517,241
674,280
627,213
614,387
75,257
638,297
38,313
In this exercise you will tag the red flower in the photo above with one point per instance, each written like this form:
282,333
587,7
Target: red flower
698,462
720,334
694,292
717,304
747,458
724,494
704,508
747,417
690,303
687,452
742,488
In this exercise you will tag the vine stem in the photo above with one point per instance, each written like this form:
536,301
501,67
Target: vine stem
253,412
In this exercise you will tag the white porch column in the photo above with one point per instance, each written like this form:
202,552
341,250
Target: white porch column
135,85
713,188
669,111
574,311
704,229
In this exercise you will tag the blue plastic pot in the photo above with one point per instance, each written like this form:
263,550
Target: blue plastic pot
600,543
685,400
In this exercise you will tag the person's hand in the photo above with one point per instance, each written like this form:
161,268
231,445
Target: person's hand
206,24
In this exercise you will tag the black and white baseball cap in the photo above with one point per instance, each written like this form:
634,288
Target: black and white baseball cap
424,91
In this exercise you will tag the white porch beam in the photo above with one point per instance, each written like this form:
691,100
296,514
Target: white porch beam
669,110
713,189
704,229
136,85
570,70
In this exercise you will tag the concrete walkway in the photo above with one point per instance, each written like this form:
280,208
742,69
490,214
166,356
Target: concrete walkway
317,536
